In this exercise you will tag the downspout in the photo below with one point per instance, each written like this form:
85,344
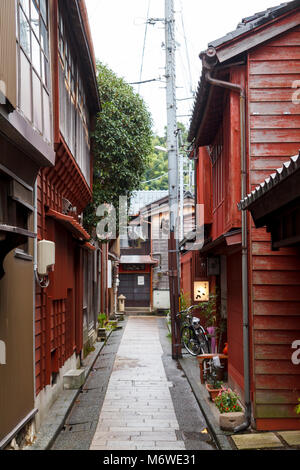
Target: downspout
35,276
245,293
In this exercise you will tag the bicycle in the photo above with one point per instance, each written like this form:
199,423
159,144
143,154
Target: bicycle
193,335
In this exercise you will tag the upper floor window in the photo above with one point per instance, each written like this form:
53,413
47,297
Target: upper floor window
74,114
33,64
218,169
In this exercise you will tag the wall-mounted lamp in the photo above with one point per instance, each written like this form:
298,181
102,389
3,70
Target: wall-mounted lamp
201,291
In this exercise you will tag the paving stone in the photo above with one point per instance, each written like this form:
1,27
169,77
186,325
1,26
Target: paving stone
291,437
140,389
257,441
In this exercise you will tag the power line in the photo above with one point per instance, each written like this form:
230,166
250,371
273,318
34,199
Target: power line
187,52
144,45
154,179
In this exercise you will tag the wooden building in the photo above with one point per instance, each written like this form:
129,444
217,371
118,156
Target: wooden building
66,311
136,266
157,213
25,148
245,124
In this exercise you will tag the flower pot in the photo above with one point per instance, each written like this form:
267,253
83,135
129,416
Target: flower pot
101,334
213,392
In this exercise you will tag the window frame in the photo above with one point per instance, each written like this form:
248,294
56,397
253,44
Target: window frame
43,75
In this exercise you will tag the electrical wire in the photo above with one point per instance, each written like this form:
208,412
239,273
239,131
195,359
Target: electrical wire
144,46
155,179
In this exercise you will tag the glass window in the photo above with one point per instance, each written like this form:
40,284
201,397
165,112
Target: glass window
35,18
25,85
34,80
43,9
25,6
24,33
44,39
37,102
36,55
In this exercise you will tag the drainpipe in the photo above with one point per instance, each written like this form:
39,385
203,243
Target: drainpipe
245,293
35,217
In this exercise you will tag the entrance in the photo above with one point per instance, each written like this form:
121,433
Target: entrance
136,288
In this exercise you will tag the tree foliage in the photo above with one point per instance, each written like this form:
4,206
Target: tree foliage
156,173
121,142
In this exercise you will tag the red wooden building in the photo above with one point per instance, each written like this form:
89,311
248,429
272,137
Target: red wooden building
246,124
66,311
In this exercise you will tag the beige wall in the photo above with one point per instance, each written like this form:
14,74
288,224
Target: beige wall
8,51
16,330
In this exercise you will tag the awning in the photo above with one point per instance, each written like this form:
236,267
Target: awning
138,259
225,244
70,223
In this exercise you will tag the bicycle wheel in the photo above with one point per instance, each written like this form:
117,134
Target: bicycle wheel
190,341
203,343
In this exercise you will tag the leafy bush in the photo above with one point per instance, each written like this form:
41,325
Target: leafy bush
227,401
102,320
298,407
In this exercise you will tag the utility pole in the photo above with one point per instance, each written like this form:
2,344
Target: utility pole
172,146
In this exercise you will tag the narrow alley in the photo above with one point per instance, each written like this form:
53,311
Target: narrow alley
142,407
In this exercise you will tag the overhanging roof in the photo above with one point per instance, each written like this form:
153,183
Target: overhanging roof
70,223
280,174
265,197
76,13
137,259
251,32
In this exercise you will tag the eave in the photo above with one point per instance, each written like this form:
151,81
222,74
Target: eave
226,52
75,12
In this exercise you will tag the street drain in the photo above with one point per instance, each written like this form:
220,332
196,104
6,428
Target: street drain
80,427
195,436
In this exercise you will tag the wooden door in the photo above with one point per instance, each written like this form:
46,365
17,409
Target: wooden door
136,288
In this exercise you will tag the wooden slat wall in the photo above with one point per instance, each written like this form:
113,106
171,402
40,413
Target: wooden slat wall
8,60
275,276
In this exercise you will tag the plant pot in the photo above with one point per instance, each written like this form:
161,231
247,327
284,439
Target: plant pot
213,392
101,334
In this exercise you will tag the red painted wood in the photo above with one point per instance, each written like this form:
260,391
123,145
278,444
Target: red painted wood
274,337
275,122
277,382
235,313
278,323
277,424
274,278
271,351
276,308
276,367
277,52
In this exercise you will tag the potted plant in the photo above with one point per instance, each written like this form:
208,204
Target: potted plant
213,384
227,401
231,413
102,320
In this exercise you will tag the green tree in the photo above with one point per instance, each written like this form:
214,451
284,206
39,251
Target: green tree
156,173
121,142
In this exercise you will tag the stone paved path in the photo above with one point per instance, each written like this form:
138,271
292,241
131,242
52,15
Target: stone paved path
138,411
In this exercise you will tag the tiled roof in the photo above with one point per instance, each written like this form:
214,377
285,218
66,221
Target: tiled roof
273,180
253,21
246,25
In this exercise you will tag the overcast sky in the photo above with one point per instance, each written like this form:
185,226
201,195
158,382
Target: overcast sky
118,30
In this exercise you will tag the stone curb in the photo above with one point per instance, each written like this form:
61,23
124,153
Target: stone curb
219,436
63,405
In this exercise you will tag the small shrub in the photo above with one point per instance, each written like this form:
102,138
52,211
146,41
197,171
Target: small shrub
102,320
298,407
227,401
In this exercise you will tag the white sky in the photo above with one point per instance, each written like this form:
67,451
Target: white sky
118,30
